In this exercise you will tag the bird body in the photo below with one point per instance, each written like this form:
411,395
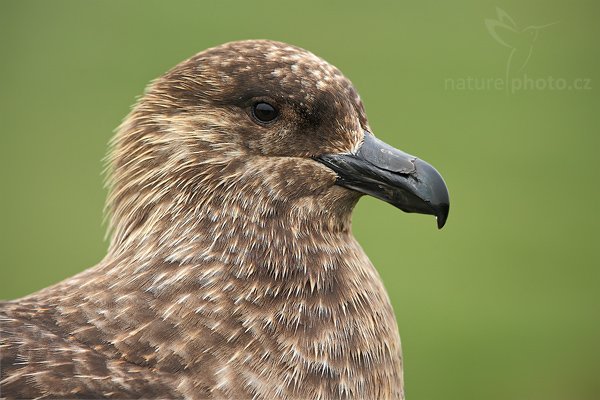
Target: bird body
232,271
210,329
520,41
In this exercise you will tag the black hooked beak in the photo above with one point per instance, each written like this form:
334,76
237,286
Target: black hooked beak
379,170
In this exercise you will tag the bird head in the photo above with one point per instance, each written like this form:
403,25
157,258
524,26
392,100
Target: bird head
256,128
533,31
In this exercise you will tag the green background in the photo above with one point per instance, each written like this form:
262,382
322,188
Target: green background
503,303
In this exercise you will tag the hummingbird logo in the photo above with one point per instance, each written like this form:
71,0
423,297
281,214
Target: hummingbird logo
520,41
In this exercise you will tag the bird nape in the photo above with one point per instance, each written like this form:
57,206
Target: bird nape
232,271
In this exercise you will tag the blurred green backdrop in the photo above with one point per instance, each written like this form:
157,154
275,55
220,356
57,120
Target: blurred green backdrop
504,303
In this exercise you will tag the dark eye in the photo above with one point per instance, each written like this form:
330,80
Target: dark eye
264,112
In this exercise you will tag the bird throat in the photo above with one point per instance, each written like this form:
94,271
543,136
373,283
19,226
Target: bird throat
301,299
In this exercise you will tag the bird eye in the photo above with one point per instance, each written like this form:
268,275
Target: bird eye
264,112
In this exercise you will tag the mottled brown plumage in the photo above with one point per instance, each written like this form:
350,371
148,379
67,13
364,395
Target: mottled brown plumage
232,271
